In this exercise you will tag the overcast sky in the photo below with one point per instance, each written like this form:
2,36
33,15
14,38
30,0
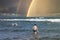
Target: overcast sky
13,3
4,3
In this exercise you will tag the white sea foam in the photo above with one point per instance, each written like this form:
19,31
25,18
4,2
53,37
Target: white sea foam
51,20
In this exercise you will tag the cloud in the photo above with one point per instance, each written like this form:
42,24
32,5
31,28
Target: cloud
7,3
14,3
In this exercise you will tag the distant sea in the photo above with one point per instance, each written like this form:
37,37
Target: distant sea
23,29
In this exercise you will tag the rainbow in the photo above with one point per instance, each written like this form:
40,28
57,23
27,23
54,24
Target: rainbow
18,6
29,8
39,8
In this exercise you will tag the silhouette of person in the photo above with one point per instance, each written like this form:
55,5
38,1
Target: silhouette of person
35,31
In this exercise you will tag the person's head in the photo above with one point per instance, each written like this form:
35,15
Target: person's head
34,24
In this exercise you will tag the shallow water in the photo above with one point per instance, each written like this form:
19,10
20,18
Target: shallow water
23,30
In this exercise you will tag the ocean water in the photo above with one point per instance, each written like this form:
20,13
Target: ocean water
23,30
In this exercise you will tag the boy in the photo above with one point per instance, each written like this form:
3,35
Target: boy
35,31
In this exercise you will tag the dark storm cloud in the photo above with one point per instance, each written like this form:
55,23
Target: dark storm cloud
4,3
8,5
11,6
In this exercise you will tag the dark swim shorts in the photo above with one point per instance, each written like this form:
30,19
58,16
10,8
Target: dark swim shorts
34,30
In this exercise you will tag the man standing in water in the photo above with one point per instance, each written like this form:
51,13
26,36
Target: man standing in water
35,31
